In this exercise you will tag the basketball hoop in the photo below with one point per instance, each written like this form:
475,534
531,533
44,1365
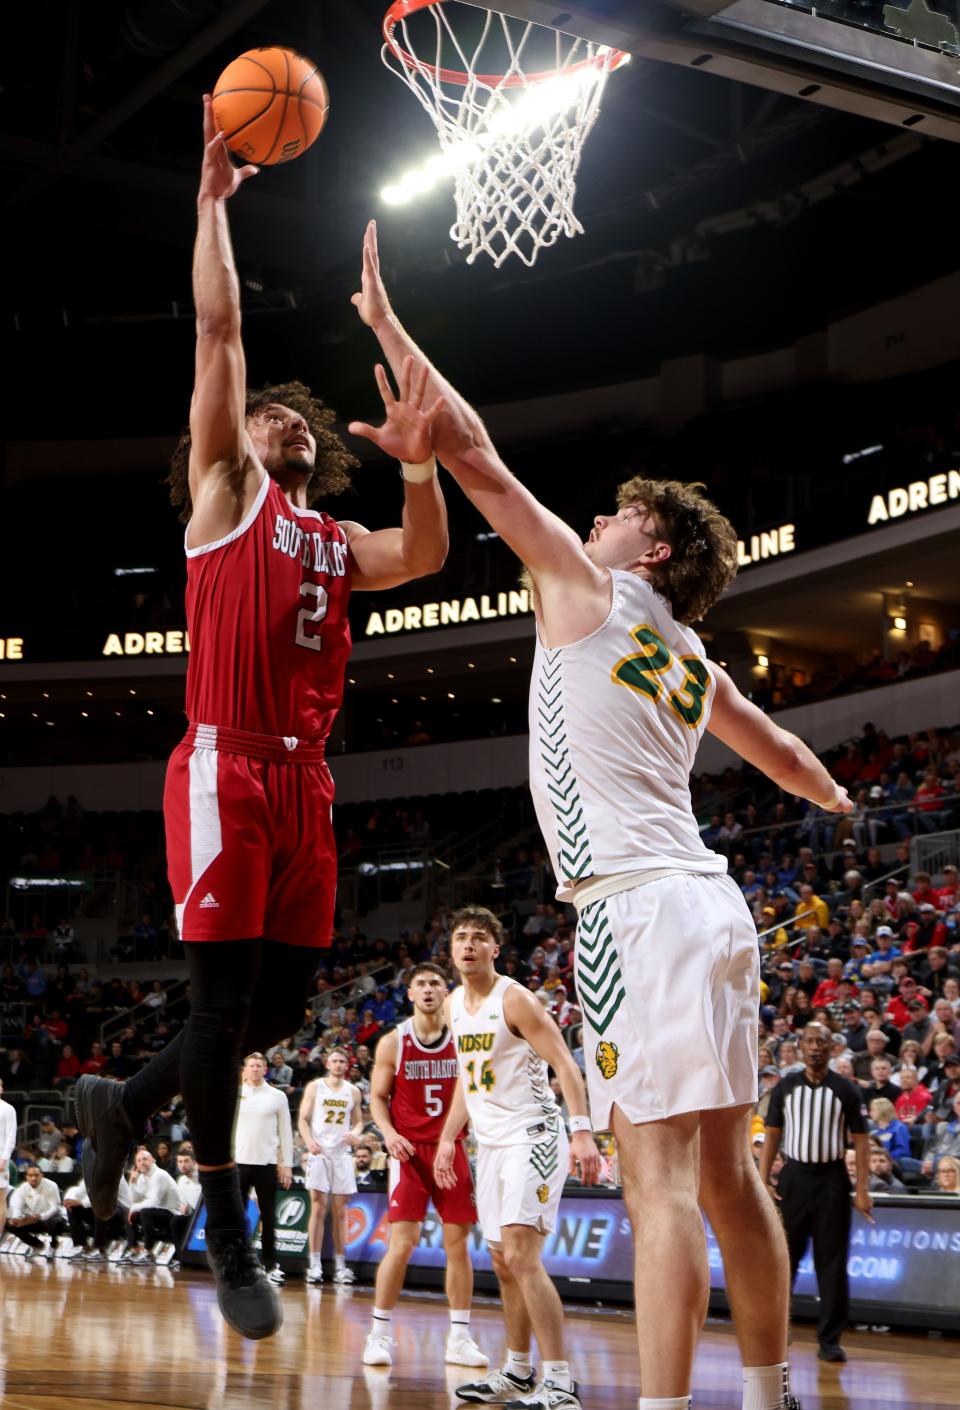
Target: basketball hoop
511,139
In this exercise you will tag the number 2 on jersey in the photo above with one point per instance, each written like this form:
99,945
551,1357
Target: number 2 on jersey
335,1118
305,616
487,1079
641,671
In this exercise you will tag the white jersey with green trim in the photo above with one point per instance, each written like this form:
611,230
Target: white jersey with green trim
506,1084
333,1116
615,721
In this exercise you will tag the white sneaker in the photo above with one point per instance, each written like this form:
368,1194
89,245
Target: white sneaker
376,1351
462,1350
547,1396
344,1275
500,1388
314,1274
277,1275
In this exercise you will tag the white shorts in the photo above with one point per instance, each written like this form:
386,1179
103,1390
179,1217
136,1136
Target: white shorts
521,1184
332,1173
668,980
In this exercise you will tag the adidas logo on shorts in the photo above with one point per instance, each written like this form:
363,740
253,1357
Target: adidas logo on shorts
209,902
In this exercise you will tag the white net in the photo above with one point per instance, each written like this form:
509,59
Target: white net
511,139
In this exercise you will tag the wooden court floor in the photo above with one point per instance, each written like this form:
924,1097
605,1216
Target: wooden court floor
74,1338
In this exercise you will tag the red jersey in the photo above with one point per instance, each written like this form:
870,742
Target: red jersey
423,1087
267,617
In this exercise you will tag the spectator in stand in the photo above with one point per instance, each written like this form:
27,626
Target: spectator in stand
948,1176
883,1179
945,1139
729,835
34,1208
854,1029
279,1074
921,1028
826,991
926,811
935,970
893,1134
898,1009
118,1064
17,1071
97,1060
154,1200
369,1027
947,896
926,930
810,909
60,1163
878,965
68,1067
50,1135
880,1086
914,1097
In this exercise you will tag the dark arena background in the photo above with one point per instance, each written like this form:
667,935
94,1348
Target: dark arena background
765,299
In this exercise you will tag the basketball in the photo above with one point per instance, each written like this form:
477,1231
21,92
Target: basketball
271,104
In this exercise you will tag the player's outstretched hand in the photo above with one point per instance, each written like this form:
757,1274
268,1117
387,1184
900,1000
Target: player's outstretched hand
584,1154
443,1171
219,178
399,1147
406,433
371,302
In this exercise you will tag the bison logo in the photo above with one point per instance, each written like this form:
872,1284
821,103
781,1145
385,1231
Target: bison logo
608,1059
543,1193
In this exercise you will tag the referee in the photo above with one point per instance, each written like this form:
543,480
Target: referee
815,1112
264,1150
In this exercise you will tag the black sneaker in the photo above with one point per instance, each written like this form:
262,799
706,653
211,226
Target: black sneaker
107,1137
791,1403
830,1351
246,1298
499,1388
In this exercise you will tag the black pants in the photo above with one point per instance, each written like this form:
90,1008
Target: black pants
245,995
30,1233
151,1226
263,1179
815,1204
84,1225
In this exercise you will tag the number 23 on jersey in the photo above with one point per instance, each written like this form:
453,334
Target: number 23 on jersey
643,671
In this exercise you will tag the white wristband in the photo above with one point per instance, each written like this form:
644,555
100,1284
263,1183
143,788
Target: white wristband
580,1123
419,474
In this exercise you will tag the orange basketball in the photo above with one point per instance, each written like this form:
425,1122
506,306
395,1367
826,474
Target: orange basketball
271,104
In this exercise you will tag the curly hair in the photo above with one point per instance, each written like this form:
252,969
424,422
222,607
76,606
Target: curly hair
334,462
704,543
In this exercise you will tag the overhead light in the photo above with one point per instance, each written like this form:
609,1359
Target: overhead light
534,109
909,583
2,715
423,697
117,712
513,660
495,700
900,624
34,714
132,691
149,712
50,722
45,694
722,663
389,675
133,572
429,670
450,695
859,454
350,680
471,666
763,661
84,714
90,693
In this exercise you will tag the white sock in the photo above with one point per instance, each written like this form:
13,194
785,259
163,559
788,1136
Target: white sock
765,1387
459,1319
381,1320
558,1373
316,1260
518,1363
672,1402
339,1261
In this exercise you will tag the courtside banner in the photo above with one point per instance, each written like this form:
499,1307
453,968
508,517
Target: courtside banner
909,1257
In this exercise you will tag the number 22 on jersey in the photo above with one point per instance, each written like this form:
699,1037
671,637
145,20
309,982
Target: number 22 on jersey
641,671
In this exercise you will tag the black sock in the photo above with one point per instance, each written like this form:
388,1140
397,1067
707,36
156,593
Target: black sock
226,1213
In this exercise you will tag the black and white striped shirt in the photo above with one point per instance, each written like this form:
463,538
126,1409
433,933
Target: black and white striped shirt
817,1118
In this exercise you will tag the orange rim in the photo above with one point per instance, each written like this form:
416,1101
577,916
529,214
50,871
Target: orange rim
403,9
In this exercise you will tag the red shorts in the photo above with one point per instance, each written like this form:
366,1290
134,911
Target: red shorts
250,847
412,1188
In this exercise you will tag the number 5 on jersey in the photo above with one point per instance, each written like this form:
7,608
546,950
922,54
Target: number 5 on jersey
641,671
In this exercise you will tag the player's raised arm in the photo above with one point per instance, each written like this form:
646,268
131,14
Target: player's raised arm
525,1016
547,546
738,723
381,1090
387,557
219,455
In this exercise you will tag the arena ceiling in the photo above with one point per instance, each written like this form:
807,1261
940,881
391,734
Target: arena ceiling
720,218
